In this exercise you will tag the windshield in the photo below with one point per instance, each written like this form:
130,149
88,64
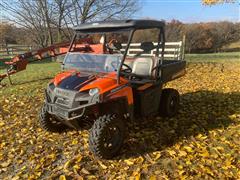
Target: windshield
102,63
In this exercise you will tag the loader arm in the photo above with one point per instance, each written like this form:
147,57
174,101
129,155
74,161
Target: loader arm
19,62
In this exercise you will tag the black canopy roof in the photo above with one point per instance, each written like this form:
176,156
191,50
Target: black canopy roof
118,25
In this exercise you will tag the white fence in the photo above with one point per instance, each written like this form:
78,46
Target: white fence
10,50
172,50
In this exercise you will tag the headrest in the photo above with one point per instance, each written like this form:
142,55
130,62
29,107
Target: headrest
147,46
116,45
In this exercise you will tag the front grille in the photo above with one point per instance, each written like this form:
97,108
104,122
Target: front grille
60,111
61,92
83,102
62,101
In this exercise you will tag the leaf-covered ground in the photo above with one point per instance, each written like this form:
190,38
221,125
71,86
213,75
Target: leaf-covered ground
201,142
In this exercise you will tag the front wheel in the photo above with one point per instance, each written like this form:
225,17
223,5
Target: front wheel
169,104
49,122
107,136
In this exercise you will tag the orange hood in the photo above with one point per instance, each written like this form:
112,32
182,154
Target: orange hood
74,80
104,83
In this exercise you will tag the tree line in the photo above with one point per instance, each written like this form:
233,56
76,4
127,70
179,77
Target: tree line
200,37
48,21
45,22
204,37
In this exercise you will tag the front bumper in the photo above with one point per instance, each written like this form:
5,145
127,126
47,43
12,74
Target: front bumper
65,113
69,105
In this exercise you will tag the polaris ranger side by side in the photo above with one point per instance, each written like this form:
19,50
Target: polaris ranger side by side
109,82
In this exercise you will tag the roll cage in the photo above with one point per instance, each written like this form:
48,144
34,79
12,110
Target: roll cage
103,27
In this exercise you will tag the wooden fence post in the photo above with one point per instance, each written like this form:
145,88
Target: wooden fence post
183,46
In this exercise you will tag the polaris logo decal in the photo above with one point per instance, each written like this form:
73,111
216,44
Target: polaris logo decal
62,93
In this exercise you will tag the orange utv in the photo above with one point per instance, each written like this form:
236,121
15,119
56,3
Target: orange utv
109,82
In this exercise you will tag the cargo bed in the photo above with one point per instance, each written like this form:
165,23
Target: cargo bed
172,69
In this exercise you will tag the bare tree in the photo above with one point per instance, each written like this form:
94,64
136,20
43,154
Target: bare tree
89,10
32,16
44,7
45,17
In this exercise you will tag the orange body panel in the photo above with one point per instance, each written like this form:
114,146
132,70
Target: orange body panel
124,92
105,83
59,77
109,82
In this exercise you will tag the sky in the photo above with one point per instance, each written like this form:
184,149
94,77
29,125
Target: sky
188,11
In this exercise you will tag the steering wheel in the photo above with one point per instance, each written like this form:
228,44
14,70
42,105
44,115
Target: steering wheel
128,70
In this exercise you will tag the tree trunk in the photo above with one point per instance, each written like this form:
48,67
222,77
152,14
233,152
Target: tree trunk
49,29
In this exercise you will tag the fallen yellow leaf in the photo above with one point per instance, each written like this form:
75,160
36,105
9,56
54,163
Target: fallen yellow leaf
85,171
188,148
102,165
153,177
182,153
62,177
129,162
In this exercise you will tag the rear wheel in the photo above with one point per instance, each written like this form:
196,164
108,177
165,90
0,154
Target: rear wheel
169,104
107,136
49,122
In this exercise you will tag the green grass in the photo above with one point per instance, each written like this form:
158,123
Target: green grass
35,77
232,45
214,57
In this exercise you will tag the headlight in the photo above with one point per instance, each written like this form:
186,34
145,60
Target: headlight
51,86
93,91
